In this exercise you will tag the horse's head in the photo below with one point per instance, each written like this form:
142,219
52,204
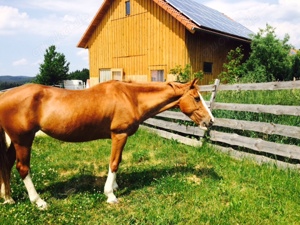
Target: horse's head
193,105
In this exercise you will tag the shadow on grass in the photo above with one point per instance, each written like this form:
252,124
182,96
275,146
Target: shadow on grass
127,181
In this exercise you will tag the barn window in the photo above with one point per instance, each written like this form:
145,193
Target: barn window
207,67
157,75
110,74
127,8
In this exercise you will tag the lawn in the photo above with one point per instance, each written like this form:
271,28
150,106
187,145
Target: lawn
161,182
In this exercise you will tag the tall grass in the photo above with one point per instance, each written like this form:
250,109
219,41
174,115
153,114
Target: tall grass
161,182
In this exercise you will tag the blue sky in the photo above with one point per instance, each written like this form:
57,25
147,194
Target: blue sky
29,27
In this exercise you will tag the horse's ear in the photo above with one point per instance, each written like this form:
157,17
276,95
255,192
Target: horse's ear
194,82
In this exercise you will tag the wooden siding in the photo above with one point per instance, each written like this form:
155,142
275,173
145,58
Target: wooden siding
206,47
138,43
151,39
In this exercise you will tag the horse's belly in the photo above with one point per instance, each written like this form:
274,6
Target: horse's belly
78,134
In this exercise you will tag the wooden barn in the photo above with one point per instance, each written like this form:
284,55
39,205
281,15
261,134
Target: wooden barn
141,40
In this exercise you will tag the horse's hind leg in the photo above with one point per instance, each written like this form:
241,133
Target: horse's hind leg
23,166
11,157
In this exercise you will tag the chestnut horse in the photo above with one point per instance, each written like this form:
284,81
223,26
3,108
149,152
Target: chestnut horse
112,109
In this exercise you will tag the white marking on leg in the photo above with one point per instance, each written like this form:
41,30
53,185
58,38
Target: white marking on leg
110,184
8,140
33,195
115,185
206,107
2,190
7,198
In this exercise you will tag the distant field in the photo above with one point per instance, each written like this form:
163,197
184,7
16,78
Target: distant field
161,182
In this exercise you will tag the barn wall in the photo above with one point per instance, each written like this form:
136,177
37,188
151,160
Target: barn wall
138,43
151,39
205,47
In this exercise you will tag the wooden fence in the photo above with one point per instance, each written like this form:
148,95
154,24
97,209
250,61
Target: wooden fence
166,124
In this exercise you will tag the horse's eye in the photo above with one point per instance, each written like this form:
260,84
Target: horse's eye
197,99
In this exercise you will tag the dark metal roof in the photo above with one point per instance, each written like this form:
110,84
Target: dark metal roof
209,18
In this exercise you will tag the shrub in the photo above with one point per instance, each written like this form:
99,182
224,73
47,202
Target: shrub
185,74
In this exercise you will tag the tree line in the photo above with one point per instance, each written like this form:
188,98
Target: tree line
8,85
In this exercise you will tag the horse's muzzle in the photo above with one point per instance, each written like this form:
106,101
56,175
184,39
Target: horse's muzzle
206,125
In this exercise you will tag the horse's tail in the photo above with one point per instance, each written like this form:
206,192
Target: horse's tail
4,164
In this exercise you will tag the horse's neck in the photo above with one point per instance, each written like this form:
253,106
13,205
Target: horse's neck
157,99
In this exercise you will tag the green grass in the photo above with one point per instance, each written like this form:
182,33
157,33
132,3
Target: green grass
161,182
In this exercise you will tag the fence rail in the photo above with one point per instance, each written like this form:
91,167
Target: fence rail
272,109
266,128
168,123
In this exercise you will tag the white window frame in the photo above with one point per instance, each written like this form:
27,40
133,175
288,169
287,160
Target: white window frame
110,74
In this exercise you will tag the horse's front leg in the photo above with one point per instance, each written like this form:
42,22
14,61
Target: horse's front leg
109,187
23,165
32,193
118,143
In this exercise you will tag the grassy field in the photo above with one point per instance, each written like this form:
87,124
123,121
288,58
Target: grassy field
161,182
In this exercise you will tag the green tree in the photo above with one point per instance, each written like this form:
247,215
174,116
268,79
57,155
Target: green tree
295,69
269,60
54,69
233,69
83,75
269,55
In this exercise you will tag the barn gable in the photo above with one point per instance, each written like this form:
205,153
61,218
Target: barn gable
155,36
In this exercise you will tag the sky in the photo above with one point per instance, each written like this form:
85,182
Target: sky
29,27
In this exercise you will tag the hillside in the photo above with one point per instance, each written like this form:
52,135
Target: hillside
15,79
7,82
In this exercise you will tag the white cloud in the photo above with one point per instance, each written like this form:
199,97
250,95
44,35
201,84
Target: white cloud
11,19
20,62
29,27
55,25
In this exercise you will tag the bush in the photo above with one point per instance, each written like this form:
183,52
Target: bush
269,60
185,74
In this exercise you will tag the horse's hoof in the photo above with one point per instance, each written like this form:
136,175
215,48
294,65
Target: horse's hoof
9,201
41,204
112,201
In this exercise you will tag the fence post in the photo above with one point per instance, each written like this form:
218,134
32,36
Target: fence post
214,93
